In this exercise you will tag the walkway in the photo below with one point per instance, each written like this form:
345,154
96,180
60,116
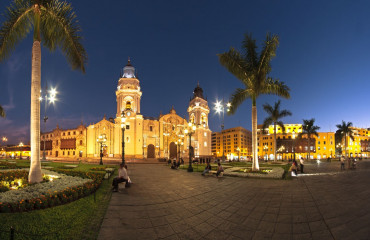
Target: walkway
175,204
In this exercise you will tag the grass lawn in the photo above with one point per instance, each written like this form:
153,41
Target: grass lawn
80,219
200,167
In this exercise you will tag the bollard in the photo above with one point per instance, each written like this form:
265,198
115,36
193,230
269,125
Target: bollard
11,233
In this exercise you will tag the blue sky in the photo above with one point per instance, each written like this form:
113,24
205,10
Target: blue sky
323,57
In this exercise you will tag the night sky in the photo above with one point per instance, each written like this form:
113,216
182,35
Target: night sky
323,57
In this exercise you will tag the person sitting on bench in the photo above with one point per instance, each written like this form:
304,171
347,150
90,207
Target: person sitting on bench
207,169
220,169
122,177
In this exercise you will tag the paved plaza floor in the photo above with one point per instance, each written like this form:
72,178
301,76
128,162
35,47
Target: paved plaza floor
325,203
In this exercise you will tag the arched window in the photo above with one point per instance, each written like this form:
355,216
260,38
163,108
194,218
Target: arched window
128,105
192,118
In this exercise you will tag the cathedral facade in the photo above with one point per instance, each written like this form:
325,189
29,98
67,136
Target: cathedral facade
166,136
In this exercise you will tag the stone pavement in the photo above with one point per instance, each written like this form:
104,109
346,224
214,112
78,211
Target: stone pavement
175,204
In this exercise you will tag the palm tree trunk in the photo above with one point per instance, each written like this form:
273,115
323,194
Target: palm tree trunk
255,165
35,166
274,142
308,148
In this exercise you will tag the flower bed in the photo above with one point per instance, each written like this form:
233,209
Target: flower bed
98,169
13,180
70,186
271,172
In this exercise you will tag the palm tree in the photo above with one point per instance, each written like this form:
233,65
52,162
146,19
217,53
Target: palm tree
54,22
309,129
2,112
345,131
253,71
274,116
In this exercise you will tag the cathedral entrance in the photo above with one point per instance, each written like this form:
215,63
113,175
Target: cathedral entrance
151,151
173,150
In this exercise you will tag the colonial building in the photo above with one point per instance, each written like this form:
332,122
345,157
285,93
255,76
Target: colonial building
144,137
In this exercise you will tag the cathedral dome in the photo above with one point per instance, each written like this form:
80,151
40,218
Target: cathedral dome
128,70
198,92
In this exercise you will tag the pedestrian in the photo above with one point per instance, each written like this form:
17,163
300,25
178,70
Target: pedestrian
294,167
342,163
302,164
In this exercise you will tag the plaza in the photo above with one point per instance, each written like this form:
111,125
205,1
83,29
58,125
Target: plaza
324,203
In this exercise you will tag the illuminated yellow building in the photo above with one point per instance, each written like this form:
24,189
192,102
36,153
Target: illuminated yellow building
289,146
144,137
234,143
18,151
359,147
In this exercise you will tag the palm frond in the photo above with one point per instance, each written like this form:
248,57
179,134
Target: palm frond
59,27
267,53
2,112
238,98
266,123
18,23
250,54
234,63
275,87
285,113
281,124
268,109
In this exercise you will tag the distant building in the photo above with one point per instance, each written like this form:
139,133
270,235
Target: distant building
145,137
234,143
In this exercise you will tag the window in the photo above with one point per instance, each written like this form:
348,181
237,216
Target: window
68,153
74,132
80,132
318,142
57,143
80,142
73,153
69,133
205,134
205,144
151,128
64,135
324,142
318,148
127,127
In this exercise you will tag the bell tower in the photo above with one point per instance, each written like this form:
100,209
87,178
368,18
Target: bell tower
198,115
128,92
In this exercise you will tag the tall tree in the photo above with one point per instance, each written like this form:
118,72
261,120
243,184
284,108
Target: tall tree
54,23
274,116
2,112
309,130
253,69
345,131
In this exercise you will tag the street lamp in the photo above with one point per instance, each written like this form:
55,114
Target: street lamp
265,150
123,126
220,110
190,131
238,149
101,139
49,96
21,149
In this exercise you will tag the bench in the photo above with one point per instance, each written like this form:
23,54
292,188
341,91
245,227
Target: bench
210,173
108,172
121,185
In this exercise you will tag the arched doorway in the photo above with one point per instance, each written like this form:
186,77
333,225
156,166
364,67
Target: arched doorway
151,151
173,150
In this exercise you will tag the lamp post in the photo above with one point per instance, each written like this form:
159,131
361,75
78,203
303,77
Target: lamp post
49,96
220,110
101,139
265,150
238,149
293,136
190,131
20,151
123,126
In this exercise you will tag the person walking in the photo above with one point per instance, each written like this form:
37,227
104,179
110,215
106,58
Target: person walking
302,164
342,163
294,167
